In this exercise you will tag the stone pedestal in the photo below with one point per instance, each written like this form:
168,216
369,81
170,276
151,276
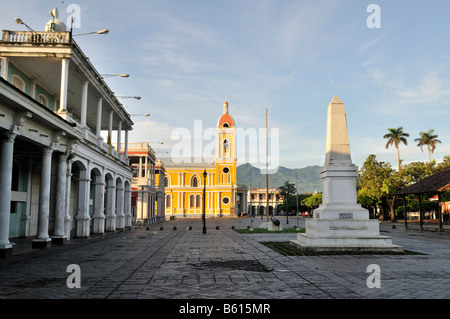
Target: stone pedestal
41,243
59,240
340,224
271,226
6,251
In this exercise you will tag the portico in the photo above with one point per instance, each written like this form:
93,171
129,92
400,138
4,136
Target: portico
58,178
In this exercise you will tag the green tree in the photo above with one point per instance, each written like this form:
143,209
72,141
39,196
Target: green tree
395,137
287,190
370,181
312,201
416,171
444,164
394,182
429,139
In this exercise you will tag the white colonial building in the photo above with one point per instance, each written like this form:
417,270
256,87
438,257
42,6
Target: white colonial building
58,178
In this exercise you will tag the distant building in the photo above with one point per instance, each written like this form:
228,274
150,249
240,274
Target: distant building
257,201
143,196
58,178
160,174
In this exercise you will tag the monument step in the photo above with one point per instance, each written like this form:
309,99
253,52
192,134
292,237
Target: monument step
348,228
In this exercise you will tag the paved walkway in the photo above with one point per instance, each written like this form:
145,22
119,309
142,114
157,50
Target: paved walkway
223,264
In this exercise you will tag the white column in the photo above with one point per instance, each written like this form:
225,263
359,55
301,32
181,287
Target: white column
42,238
4,68
139,201
110,123
83,219
120,215
140,167
110,206
119,137
146,167
64,85
144,202
33,88
98,129
59,236
84,96
126,143
68,218
127,207
55,103
99,205
6,168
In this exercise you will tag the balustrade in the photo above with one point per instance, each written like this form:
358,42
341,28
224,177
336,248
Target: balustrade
35,37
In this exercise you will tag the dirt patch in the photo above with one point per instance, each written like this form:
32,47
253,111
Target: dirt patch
244,265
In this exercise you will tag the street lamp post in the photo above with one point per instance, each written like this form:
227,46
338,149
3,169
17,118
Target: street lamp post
146,114
128,97
102,31
204,201
124,75
296,191
287,211
19,21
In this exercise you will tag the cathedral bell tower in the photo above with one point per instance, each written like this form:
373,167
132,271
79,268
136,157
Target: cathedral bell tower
226,161
226,137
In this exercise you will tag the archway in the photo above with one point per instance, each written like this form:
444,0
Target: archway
127,205
110,203
97,198
79,208
120,215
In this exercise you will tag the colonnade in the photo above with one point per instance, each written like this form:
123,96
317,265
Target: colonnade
88,198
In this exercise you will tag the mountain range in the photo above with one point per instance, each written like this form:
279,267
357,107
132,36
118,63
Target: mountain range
308,178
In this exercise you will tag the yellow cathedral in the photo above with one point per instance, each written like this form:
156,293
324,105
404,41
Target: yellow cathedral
185,182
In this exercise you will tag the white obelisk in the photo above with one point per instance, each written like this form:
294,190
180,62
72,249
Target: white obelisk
340,223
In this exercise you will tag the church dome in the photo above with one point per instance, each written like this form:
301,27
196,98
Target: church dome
55,25
225,120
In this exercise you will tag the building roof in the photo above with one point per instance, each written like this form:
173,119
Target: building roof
225,118
189,162
437,183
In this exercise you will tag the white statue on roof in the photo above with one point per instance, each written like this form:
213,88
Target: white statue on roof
55,25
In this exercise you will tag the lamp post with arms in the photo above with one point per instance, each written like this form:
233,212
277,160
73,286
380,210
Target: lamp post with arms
204,201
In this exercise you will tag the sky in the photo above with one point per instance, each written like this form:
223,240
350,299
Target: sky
389,65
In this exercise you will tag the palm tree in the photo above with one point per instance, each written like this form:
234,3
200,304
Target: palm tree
429,139
395,137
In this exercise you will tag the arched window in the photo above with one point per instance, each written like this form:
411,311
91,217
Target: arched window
194,181
191,201
43,99
198,201
166,181
168,201
226,148
18,82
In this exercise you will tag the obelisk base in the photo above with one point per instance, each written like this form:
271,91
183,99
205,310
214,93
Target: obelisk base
343,228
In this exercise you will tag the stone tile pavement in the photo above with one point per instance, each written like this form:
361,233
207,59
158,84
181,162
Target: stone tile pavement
223,264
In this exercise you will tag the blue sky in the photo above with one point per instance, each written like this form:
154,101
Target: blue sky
291,57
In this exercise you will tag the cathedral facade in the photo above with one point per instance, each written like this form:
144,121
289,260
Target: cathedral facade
190,187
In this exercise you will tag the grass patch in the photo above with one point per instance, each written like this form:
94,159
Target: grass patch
286,249
265,231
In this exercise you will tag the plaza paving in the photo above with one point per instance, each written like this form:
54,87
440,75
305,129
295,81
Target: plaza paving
223,264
